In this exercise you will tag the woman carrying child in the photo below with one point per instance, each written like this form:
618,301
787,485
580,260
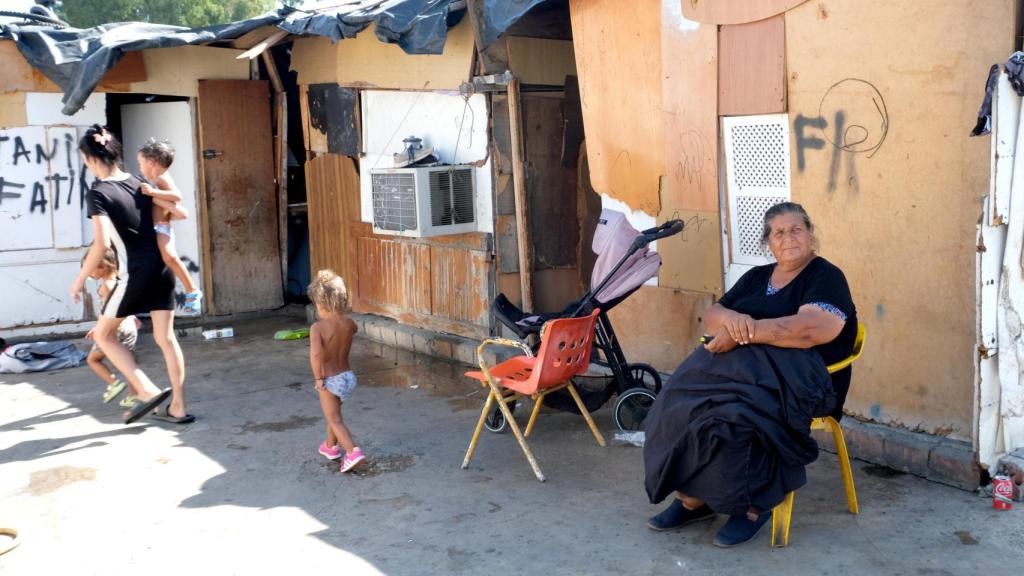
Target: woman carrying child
122,219
155,158
330,340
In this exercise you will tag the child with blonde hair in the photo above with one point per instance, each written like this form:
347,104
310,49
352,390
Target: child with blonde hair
155,158
330,340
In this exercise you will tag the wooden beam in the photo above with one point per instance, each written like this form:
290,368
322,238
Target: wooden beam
204,212
262,47
519,185
275,78
280,161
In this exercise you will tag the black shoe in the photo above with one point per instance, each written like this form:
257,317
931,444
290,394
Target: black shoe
676,516
740,529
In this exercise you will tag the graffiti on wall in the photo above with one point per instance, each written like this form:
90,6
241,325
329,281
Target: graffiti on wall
42,188
852,121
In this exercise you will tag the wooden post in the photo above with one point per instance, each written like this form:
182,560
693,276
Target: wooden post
281,161
519,185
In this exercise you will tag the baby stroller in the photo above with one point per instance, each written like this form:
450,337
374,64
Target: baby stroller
624,263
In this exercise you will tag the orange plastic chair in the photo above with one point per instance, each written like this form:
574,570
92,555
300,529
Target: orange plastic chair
783,513
564,352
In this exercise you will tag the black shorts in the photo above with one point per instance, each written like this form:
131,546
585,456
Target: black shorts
140,291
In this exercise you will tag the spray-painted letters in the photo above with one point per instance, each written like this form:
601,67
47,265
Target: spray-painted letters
852,117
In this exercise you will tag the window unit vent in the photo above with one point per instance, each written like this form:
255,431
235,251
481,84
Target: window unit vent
424,201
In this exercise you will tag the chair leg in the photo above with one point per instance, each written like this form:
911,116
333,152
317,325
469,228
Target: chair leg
479,428
781,517
533,416
518,433
586,414
844,465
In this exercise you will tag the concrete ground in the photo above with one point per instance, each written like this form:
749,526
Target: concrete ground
243,490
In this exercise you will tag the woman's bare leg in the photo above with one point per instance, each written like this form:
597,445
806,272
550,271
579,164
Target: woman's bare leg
105,336
163,333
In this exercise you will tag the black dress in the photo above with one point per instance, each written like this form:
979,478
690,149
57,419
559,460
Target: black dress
144,283
820,283
733,429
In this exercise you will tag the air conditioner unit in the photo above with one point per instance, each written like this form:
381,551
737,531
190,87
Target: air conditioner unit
424,201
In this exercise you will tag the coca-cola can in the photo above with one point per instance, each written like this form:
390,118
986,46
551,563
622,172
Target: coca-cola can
1002,492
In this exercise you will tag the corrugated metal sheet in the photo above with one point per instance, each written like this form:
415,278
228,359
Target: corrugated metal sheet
332,185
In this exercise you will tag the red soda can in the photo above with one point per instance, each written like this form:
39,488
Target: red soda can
1002,492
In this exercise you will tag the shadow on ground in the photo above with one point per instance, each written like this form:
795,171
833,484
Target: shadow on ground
244,491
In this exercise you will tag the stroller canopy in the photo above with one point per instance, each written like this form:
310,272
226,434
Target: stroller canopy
612,241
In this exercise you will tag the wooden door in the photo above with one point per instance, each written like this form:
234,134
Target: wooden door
240,220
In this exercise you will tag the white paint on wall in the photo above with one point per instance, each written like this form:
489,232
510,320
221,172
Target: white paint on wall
44,109
36,291
454,127
638,219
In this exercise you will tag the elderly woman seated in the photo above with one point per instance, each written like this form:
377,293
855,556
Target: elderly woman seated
730,431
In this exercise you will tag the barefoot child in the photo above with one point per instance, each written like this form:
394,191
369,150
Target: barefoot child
330,340
155,157
127,332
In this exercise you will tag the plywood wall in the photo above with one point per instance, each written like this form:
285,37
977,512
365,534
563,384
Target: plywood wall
366,62
660,326
881,97
618,47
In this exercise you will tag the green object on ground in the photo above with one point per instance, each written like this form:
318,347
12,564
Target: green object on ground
296,334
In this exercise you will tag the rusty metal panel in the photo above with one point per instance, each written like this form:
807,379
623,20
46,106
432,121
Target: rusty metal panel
395,274
459,284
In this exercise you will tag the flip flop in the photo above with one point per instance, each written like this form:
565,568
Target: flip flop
142,409
166,416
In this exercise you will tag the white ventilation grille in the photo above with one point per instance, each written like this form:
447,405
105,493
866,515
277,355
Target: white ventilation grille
394,201
757,177
761,155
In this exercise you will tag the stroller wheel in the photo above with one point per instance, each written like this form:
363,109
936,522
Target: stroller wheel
631,409
643,375
496,422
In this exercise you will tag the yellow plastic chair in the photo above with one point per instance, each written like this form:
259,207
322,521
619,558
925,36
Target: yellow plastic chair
783,513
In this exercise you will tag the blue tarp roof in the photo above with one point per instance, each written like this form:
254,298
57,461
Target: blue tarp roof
76,60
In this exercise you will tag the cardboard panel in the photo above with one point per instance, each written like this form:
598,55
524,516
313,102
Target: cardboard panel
675,314
692,260
541,61
617,54
752,68
894,195
733,12
12,110
365,61
689,96
176,71
315,60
